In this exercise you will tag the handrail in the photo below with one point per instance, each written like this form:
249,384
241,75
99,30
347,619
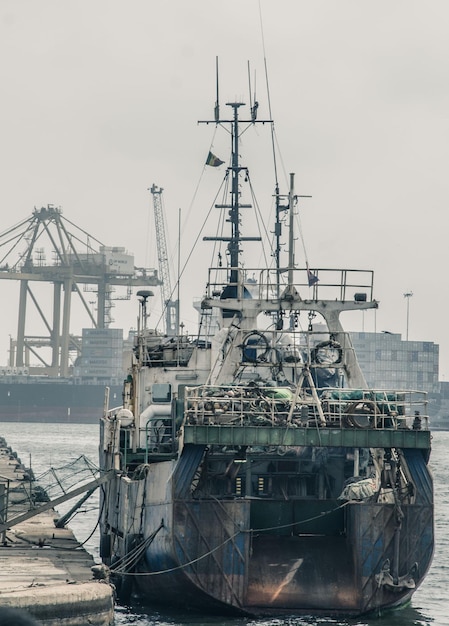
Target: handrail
238,405
262,283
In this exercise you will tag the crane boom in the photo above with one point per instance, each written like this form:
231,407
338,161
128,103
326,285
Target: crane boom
171,307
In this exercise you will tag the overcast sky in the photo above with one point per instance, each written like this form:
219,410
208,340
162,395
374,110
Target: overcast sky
101,98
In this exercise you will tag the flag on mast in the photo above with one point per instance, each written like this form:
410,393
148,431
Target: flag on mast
213,161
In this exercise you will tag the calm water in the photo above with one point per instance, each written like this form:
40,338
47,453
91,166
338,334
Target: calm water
56,444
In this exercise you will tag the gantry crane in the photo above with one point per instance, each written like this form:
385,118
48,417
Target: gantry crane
77,259
170,306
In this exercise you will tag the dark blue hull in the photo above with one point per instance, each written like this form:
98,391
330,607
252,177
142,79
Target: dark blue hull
54,400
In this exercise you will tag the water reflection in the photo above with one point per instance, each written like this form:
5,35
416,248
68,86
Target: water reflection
407,616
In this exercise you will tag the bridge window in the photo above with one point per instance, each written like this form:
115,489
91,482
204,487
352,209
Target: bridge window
161,392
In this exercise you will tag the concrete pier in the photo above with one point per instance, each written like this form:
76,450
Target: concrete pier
43,569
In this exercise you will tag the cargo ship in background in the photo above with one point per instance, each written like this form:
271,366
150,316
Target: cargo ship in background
31,399
256,472
26,397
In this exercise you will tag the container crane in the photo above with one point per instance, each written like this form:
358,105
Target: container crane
170,307
80,263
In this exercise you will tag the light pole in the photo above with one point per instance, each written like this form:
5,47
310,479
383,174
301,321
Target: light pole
408,295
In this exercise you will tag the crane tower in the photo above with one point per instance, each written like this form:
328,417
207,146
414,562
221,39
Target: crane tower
170,307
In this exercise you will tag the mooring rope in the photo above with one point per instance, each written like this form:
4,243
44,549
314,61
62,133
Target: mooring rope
141,547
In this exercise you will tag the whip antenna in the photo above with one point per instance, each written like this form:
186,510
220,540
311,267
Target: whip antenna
252,101
217,101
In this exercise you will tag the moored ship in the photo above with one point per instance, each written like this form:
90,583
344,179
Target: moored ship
27,398
256,472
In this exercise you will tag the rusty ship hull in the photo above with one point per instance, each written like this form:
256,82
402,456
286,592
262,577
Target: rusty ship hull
256,472
262,555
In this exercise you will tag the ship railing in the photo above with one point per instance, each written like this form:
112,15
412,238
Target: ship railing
155,350
238,405
314,283
158,435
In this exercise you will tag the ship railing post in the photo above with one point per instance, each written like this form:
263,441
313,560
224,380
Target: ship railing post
116,439
106,401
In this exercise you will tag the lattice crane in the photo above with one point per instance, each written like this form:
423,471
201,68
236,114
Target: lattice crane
80,262
170,306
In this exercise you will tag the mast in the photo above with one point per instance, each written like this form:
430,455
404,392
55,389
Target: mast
277,252
235,206
291,240
277,235
233,246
